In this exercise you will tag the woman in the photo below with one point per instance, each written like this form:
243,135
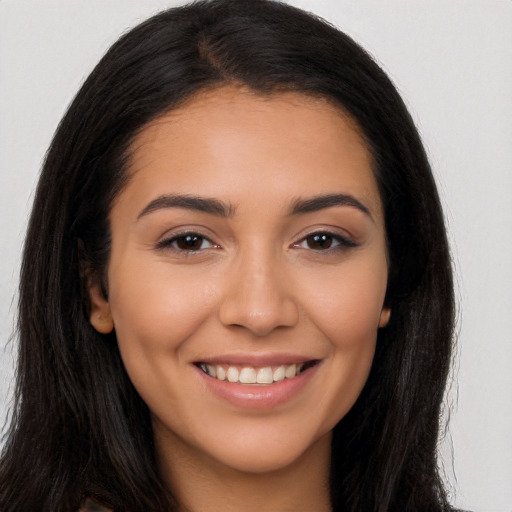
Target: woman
236,288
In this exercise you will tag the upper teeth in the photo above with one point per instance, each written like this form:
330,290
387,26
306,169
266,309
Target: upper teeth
251,375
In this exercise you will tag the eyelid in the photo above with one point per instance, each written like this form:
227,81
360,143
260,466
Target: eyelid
167,240
343,241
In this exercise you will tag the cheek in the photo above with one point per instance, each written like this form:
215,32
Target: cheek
155,308
346,309
346,303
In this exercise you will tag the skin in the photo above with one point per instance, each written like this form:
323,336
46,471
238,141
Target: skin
256,284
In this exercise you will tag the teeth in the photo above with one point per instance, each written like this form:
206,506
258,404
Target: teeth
221,373
279,373
232,374
290,371
250,375
264,376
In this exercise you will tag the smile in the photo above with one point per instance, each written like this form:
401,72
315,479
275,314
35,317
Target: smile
257,383
255,375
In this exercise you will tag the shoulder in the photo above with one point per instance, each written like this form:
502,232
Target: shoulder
93,504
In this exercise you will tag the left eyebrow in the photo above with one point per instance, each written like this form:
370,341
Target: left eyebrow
188,202
317,203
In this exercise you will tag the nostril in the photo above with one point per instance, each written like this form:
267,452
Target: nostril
257,295
258,316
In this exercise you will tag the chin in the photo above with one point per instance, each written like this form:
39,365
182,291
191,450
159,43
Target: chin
269,452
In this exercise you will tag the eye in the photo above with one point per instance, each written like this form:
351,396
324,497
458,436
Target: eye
323,241
186,242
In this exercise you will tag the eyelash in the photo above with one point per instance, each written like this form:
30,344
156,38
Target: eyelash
341,242
171,243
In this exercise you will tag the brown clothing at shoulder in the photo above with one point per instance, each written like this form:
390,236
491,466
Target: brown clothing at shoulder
93,504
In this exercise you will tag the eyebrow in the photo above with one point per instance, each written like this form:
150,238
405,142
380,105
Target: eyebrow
314,204
201,204
225,210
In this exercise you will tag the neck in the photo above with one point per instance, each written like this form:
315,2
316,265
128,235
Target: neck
202,484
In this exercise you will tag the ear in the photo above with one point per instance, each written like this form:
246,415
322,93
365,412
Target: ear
385,315
100,315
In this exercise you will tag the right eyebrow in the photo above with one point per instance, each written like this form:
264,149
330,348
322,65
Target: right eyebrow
313,204
189,202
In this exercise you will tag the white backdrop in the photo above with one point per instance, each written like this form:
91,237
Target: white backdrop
452,62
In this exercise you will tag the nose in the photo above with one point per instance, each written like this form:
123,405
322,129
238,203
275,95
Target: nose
259,296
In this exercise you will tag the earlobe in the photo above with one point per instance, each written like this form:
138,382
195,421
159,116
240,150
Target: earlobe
385,315
100,315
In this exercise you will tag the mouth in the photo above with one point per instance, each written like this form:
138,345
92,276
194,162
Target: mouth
254,375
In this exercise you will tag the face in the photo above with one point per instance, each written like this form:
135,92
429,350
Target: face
247,275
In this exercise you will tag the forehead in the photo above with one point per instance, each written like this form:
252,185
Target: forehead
230,137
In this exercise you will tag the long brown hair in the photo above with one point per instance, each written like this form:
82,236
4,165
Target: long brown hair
79,426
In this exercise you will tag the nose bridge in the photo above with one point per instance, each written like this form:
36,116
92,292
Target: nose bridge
259,295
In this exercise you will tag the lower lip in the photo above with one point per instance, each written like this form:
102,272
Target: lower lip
258,396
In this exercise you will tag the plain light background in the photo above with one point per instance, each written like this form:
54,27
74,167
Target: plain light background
451,61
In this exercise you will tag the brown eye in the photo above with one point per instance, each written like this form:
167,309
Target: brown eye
188,242
325,241
319,241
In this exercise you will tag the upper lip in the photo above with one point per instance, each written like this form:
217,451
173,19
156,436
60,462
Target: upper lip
257,360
